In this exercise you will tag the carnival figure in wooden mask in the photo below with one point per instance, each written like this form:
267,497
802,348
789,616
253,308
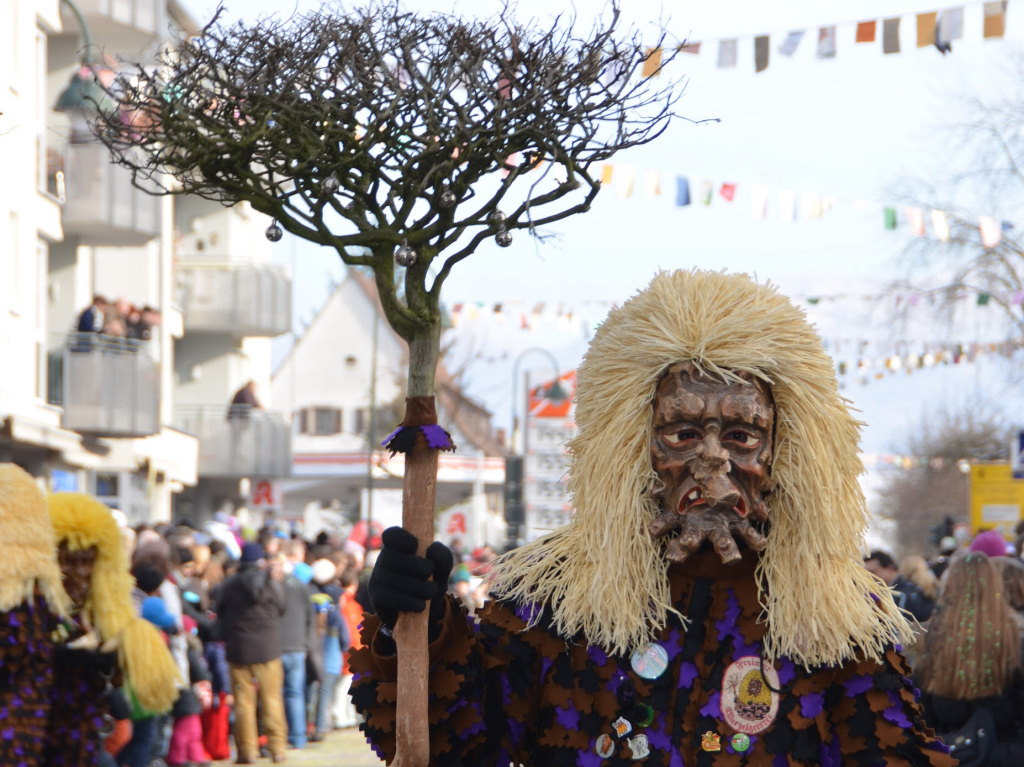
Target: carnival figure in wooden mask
707,602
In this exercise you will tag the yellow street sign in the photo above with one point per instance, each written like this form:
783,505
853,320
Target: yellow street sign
997,499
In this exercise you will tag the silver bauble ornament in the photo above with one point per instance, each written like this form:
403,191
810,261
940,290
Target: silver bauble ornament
405,256
495,218
331,185
503,238
274,233
447,198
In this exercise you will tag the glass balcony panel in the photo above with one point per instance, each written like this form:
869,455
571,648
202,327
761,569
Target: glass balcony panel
109,387
244,299
102,207
237,440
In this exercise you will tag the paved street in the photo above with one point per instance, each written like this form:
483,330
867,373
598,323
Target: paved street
342,748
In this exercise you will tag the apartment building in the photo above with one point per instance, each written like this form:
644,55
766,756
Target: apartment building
101,414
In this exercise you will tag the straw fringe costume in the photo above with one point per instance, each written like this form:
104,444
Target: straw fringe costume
788,657
145,664
32,599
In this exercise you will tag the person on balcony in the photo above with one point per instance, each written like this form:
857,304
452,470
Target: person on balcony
244,401
91,318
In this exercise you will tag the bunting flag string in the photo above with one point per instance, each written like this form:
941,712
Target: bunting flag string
938,29
792,206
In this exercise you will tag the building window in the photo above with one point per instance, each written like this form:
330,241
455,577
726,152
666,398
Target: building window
319,421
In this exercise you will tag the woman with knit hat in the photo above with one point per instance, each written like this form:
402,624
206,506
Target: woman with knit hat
32,601
706,604
104,635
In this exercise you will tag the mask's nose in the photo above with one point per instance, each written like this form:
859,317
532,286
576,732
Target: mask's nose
712,474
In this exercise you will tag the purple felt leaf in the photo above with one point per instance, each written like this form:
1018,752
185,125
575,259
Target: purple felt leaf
437,438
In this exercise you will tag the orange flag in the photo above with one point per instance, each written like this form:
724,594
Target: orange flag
866,31
652,63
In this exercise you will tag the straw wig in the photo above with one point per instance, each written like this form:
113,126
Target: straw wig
28,551
603,574
83,522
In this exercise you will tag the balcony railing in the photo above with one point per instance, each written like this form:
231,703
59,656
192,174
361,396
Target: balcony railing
238,440
109,17
244,299
108,386
102,206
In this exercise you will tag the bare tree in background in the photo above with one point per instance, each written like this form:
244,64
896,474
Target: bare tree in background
990,140
917,499
391,136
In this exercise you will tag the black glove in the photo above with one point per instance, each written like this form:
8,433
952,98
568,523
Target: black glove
400,579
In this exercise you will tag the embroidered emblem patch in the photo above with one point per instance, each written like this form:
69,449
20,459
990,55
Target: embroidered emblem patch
711,741
748,704
622,727
604,746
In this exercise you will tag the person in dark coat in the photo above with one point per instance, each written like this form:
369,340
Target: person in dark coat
907,594
249,607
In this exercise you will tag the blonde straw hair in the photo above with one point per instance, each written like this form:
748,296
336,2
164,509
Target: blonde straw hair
915,567
28,560
603,574
82,523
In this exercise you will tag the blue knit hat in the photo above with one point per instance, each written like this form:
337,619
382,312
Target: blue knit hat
251,552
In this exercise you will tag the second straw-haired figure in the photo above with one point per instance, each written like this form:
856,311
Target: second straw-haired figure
706,604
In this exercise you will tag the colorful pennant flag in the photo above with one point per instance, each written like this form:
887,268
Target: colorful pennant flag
890,218
706,191
866,31
827,43
606,174
690,48
761,53
950,27
991,234
792,41
940,225
995,19
652,63
727,53
682,191
728,191
926,23
891,36
915,218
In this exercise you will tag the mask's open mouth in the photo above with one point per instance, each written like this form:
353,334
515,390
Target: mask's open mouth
695,498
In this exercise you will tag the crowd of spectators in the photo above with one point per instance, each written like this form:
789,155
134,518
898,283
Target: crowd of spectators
260,623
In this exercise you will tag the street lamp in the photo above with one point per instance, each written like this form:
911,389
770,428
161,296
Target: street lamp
84,91
514,464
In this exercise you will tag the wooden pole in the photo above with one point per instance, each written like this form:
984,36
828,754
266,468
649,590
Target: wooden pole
412,732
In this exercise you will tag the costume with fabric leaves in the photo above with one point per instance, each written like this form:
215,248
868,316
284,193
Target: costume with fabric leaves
32,601
126,644
598,651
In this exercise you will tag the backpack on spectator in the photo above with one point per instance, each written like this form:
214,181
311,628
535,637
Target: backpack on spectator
974,742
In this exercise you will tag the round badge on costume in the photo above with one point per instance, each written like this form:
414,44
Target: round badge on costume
740,742
649,662
604,746
748,704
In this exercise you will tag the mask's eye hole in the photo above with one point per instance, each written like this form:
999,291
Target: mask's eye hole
681,437
742,438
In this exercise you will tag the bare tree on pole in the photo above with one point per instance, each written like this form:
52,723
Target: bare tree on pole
391,136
